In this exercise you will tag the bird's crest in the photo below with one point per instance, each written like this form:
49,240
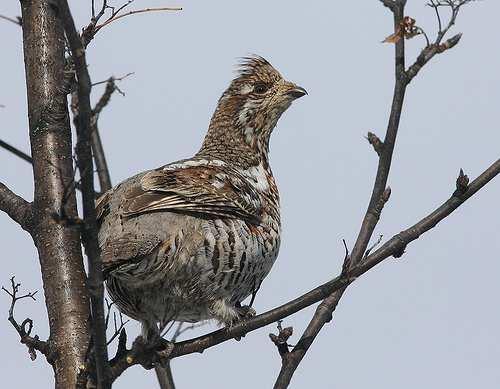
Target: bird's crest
255,66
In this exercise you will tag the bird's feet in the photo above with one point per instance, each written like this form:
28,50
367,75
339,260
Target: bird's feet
230,314
244,312
153,350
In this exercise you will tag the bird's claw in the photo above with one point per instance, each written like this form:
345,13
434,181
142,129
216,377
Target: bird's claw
245,312
157,351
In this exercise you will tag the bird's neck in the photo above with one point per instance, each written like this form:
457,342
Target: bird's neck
227,139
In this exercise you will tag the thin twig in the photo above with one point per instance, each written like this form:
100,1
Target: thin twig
118,328
24,329
16,152
97,148
114,78
17,20
98,27
370,249
438,16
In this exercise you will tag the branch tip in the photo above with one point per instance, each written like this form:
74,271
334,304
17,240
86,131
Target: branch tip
376,143
450,43
462,183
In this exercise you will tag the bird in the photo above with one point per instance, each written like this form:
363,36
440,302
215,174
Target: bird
191,240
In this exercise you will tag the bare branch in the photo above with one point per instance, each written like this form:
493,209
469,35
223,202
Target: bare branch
371,216
115,18
455,6
115,79
85,165
24,329
16,207
428,53
89,32
18,20
16,152
97,148
164,376
404,28
388,3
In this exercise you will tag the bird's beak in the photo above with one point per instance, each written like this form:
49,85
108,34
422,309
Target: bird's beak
296,91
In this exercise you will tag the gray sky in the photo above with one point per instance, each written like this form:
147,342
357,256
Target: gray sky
430,319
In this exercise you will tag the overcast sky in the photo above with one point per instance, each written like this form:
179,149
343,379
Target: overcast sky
430,319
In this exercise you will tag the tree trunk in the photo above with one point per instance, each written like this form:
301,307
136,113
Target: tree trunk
56,238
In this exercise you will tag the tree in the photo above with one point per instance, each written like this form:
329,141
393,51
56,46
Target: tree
56,229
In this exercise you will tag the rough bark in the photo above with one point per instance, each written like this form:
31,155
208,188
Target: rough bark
58,242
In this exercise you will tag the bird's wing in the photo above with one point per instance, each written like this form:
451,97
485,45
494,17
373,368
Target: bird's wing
195,188
102,205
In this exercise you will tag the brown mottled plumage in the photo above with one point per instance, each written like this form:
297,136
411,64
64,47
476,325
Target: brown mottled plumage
191,240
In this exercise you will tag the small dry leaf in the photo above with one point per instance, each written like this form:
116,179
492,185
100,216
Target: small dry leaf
393,38
406,29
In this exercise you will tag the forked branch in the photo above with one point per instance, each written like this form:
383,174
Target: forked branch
404,28
24,329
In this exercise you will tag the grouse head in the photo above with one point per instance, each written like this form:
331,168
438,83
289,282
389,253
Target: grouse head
248,112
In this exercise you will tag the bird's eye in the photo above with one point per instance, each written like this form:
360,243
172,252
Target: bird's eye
260,87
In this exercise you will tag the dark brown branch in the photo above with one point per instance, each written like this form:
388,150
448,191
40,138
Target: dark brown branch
27,158
455,6
24,329
85,165
16,152
17,208
100,160
89,31
97,148
428,53
437,47
18,20
371,216
397,244
389,3
380,195
165,376
115,79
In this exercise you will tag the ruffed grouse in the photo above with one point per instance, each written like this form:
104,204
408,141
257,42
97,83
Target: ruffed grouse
191,240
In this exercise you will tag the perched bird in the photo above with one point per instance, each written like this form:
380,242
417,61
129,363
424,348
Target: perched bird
191,240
